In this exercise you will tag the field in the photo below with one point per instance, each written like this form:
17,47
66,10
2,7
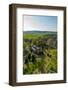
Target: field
39,52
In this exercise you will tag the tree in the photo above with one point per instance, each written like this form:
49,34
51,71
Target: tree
33,58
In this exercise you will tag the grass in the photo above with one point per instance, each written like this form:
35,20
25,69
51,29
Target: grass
34,36
51,63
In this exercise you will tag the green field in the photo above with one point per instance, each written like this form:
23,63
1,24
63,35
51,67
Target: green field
39,52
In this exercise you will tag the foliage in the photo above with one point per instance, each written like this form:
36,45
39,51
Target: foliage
40,53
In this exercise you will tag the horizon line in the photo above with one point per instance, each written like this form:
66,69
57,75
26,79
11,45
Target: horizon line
40,30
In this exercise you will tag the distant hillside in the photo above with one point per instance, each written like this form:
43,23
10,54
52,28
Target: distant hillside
39,32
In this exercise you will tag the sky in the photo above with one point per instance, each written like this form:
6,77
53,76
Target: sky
40,23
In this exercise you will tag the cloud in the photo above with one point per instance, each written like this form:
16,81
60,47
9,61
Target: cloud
39,23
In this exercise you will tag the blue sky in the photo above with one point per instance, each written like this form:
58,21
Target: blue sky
40,23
